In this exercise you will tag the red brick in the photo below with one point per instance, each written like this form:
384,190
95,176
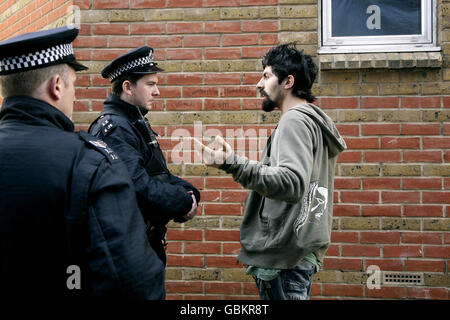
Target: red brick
174,247
426,293
400,197
342,264
220,287
107,55
222,78
380,183
437,252
184,3
421,102
339,103
380,129
380,237
202,247
362,143
126,42
422,183
388,211
183,79
234,196
184,261
350,157
269,39
241,91
223,27
254,52
201,41
152,4
344,129
221,235
90,93
223,209
421,129
436,197
340,210
222,53
424,265
400,143
360,250
239,40
385,264
423,211
110,28
164,41
231,248
422,156
197,92
110,4
258,2
184,235
422,237
220,3
147,28
345,290
184,27
223,262
379,102
344,236
436,143
222,183
402,251
347,183
184,287
222,104
386,292
360,196
183,54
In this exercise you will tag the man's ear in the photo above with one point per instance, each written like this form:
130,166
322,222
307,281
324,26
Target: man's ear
126,87
55,87
289,82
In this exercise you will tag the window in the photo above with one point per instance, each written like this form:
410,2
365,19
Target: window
357,26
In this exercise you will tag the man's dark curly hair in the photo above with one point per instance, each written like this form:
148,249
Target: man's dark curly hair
285,60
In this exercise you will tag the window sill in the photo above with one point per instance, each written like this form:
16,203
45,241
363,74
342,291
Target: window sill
390,60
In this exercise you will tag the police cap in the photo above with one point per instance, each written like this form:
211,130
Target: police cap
137,61
39,49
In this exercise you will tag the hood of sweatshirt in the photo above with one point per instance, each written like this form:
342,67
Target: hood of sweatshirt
336,143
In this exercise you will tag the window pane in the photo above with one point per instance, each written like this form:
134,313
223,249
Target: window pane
352,18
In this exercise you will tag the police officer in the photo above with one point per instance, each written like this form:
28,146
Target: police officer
161,196
69,224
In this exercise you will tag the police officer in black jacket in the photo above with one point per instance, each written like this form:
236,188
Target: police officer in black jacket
161,196
69,224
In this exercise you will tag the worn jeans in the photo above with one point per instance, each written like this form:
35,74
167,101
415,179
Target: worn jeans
291,284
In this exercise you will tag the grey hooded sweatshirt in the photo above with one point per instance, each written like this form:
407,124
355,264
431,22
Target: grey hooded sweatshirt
288,212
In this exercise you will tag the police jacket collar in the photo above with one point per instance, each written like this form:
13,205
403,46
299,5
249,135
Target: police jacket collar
33,111
114,103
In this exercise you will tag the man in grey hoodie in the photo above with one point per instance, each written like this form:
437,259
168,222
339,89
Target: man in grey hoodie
287,221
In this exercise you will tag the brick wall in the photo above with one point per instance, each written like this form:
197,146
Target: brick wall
392,190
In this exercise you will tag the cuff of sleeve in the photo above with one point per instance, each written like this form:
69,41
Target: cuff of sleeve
229,162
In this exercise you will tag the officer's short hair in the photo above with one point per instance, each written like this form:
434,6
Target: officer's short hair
26,83
117,84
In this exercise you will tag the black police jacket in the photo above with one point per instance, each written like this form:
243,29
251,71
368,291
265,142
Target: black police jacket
161,195
69,224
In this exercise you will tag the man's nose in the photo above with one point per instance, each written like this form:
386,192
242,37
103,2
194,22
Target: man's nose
156,92
260,84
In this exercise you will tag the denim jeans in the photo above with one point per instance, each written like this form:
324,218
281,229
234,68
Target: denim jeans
291,284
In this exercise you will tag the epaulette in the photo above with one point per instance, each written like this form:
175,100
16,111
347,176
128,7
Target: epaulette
99,145
106,124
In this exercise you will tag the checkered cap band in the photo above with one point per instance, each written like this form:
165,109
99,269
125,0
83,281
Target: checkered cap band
37,58
130,65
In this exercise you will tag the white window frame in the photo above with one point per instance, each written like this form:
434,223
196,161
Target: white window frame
426,41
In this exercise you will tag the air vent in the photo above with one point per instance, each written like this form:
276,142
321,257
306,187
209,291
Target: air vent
403,278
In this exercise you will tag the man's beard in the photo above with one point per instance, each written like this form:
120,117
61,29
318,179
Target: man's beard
268,104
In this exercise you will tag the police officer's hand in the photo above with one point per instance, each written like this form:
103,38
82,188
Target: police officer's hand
191,214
